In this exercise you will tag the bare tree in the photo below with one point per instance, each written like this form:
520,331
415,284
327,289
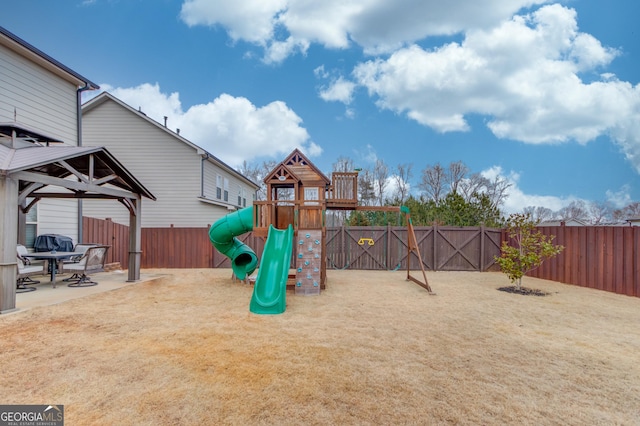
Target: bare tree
366,188
401,177
343,164
576,210
538,213
497,190
257,173
627,212
474,184
432,182
599,212
380,177
250,171
457,172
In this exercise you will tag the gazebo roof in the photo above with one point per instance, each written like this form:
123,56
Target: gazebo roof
97,171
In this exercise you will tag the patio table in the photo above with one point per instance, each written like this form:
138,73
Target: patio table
53,257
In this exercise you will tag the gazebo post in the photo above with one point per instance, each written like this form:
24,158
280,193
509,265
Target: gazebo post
135,236
8,241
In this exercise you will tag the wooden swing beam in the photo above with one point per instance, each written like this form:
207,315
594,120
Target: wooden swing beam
412,243
413,247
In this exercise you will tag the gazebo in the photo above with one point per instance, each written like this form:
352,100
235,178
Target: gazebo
33,167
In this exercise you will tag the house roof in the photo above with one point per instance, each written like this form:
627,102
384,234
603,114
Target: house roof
16,44
96,170
570,222
105,96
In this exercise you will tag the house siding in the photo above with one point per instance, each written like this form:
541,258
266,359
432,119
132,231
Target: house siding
236,187
167,166
41,100
50,214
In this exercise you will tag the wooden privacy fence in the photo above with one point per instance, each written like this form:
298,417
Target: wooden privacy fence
599,257
385,247
108,233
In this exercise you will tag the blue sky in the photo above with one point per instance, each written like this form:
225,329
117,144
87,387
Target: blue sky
544,94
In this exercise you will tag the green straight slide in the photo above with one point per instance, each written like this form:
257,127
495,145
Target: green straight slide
222,235
270,289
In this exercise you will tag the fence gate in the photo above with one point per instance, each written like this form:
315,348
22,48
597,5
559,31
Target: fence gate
386,247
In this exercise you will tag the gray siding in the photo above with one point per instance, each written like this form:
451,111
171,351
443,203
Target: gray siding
170,168
57,216
45,102
41,100
211,174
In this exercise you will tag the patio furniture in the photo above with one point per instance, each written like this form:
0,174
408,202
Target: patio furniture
92,261
25,272
81,250
53,258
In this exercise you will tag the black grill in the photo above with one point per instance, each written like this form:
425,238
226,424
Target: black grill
50,242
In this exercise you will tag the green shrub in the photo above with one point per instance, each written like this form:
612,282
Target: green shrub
525,249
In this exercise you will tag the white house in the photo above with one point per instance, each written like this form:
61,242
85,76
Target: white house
634,221
193,188
43,95
44,170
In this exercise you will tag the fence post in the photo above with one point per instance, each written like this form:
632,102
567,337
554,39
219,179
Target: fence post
388,253
482,237
434,261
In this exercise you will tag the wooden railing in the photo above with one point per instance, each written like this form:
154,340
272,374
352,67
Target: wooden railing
302,215
343,193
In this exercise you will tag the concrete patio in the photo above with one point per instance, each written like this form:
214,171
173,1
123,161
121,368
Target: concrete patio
45,294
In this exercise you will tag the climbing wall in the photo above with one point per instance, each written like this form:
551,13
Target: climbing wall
308,262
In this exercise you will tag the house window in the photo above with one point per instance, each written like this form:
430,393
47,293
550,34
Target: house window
241,195
218,187
226,189
31,225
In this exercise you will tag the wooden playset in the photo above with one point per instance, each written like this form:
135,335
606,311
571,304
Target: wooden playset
299,194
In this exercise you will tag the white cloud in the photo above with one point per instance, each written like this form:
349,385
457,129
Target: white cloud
392,187
282,26
619,199
250,20
339,90
231,128
523,75
517,200
521,64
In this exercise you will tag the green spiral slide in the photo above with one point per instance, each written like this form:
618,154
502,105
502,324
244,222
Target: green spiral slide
223,237
269,291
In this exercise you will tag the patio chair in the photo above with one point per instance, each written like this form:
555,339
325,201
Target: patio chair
92,261
25,271
80,249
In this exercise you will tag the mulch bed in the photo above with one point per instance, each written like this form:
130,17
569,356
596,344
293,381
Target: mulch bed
525,291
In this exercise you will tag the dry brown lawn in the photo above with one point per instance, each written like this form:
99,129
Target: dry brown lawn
372,349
